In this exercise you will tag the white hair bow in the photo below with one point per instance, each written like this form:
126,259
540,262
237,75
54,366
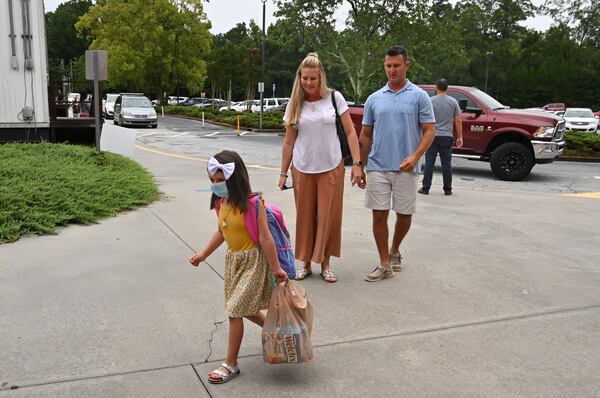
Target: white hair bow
214,166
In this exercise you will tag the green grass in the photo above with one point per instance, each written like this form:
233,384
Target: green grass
43,186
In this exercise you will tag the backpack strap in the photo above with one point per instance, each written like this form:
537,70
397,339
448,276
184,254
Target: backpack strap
218,205
251,218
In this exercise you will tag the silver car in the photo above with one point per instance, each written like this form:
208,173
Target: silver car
134,110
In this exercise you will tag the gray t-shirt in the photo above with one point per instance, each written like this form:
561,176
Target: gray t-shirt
445,109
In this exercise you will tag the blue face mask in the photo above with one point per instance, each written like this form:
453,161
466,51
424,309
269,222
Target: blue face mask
219,189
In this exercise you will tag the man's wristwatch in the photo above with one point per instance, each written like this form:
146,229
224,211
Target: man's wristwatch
357,163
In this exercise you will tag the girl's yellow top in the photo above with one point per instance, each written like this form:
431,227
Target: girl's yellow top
233,228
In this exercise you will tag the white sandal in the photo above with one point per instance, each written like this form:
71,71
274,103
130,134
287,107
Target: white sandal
225,377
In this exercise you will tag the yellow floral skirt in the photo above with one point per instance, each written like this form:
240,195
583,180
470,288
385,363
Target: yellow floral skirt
248,282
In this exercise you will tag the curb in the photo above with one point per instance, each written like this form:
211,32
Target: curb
253,129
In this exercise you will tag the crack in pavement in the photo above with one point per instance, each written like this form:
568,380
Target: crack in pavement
216,323
184,242
93,377
436,329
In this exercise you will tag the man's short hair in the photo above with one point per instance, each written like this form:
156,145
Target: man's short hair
442,84
397,50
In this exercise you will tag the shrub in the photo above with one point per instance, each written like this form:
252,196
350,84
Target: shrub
271,120
582,144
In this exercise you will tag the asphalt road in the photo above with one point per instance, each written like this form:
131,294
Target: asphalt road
191,138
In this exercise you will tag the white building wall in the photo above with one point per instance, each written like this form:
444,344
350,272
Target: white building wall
20,87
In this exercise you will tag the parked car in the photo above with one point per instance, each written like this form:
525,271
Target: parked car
134,110
176,100
230,107
108,104
212,103
269,103
535,109
240,106
278,108
555,106
511,140
72,96
193,101
580,119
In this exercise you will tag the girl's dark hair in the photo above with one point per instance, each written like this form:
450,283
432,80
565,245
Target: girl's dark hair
238,185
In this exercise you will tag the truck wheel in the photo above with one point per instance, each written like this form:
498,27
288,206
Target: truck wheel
512,161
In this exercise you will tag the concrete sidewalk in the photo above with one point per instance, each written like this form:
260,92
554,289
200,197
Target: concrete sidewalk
499,297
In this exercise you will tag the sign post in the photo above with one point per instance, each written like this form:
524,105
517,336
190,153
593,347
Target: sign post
96,69
261,90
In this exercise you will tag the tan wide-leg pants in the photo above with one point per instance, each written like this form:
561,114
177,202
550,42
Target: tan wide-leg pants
319,203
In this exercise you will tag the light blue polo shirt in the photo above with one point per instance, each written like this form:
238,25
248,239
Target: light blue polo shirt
396,119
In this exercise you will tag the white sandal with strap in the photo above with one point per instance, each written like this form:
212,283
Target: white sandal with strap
225,377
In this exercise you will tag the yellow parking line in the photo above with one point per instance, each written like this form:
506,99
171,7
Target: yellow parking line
174,155
589,195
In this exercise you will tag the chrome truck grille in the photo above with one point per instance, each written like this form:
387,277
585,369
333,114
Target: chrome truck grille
559,131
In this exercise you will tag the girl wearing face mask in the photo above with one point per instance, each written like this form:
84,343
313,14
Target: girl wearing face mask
249,261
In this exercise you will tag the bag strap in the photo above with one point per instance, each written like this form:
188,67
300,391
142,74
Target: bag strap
337,115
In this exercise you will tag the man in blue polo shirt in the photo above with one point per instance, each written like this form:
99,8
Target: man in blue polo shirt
398,127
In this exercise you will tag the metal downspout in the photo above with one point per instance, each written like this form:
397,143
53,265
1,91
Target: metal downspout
13,47
26,34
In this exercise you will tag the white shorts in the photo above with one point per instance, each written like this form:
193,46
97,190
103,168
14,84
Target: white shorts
394,190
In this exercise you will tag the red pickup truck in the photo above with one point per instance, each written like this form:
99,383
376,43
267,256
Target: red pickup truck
511,140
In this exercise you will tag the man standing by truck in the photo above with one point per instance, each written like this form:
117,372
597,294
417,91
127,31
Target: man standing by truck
397,130
448,127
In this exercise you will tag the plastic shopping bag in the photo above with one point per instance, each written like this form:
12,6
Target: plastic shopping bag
288,327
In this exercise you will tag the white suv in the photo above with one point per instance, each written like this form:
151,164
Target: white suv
269,103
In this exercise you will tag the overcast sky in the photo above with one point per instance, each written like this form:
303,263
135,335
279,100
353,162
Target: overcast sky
225,14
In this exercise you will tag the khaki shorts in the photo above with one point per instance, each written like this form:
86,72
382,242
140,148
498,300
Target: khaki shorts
392,190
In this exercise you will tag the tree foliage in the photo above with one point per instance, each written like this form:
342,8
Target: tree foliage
64,46
355,51
164,45
152,46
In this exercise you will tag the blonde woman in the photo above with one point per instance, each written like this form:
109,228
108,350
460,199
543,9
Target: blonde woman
317,167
